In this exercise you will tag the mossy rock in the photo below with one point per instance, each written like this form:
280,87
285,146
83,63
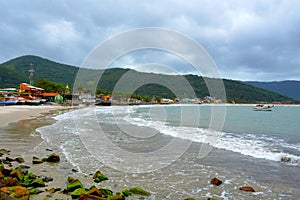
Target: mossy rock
53,190
125,193
95,192
285,159
20,160
35,191
26,182
106,192
5,196
53,158
139,191
36,160
8,159
4,151
99,177
71,179
38,183
17,192
75,184
8,181
17,173
76,193
92,187
28,179
117,197
31,175
1,167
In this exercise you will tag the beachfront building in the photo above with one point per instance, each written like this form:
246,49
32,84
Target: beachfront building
8,90
186,100
53,97
166,101
30,90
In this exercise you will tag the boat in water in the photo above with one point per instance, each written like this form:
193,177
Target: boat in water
263,107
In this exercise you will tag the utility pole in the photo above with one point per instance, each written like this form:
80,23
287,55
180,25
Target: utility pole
31,74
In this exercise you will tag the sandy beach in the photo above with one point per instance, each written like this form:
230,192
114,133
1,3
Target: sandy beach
17,124
10,114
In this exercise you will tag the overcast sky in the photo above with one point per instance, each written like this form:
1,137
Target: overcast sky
248,40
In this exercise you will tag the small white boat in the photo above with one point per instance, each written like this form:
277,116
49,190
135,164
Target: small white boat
262,107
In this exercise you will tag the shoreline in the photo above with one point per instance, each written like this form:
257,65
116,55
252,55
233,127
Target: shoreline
14,114
61,171
18,124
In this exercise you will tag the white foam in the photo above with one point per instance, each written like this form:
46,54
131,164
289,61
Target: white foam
257,146
246,144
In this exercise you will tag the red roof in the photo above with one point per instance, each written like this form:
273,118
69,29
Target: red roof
49,94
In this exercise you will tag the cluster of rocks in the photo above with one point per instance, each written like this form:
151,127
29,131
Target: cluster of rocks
215,181
53,158
77,191
19,183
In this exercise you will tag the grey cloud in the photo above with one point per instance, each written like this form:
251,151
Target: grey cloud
246,39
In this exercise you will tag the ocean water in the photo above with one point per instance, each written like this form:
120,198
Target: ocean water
174,150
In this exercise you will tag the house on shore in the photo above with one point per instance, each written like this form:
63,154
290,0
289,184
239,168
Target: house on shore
53,97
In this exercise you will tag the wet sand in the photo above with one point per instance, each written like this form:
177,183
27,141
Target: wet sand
17,134
9,114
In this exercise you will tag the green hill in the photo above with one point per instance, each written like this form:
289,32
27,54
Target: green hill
289,88
15,71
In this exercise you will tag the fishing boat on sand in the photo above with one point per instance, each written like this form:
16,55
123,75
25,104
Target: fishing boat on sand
33,102
263,107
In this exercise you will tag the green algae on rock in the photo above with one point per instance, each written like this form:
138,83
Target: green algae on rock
99,177
139,191
73,184
53,158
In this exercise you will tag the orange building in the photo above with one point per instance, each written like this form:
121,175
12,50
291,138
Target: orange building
31,90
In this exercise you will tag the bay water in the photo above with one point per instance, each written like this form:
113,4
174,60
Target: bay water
174,150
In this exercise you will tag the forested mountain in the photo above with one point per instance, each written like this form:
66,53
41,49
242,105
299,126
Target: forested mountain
288,88
15,71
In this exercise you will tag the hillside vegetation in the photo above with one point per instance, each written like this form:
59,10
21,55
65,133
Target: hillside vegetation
15,71
288,88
